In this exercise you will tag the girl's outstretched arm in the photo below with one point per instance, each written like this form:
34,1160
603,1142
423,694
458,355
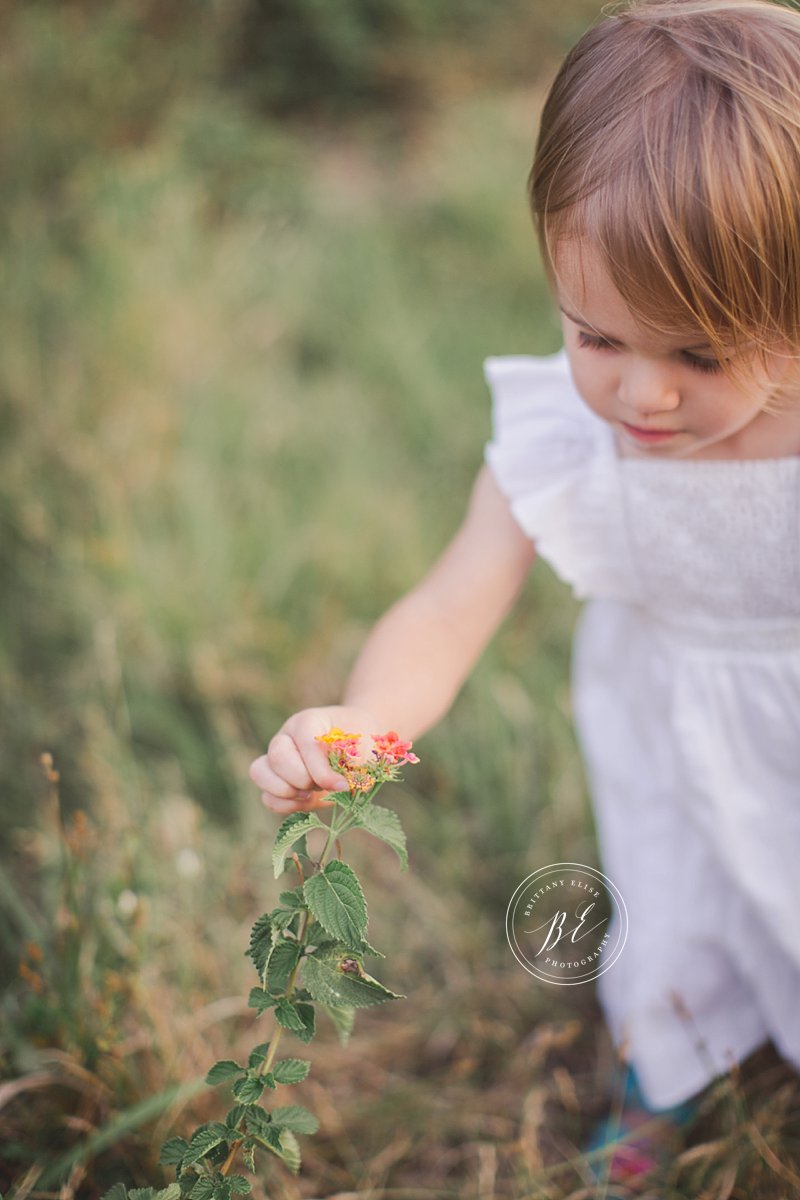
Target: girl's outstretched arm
418,654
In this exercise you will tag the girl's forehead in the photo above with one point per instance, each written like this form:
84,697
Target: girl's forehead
586,292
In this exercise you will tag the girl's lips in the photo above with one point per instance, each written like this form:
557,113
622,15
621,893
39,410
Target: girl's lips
650,435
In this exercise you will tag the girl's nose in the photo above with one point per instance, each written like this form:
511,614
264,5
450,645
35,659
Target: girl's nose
647,387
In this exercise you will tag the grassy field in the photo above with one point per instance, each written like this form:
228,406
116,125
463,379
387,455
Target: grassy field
242,405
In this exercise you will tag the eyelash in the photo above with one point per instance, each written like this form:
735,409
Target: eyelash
708,366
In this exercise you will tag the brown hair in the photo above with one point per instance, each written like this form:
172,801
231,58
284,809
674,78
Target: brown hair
670,141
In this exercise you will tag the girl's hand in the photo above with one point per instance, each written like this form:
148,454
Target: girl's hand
295,773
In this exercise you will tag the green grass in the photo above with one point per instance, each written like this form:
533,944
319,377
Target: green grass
242,405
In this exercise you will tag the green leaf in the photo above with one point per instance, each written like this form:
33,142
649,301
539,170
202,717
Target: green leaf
343,1019
337,901
171,1192
293,899
291,1070
258,1054
290,1150
297,1017
204,1140
281,1142
172,1152
203,1189
260,1000
226,1068
249,1156
296,1118
248,1090
340,980
290,831
145,1193
117,1191
235,1115
258,1121
240,1184
284,959
384,823
262,940
287,1015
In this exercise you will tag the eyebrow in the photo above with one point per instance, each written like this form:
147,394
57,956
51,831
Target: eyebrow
616,341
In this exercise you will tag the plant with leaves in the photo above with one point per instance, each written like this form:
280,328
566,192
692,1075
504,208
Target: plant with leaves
308,952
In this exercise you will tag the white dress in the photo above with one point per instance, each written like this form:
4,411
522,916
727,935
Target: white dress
686,696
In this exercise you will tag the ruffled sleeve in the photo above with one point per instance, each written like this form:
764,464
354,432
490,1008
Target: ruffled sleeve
554,461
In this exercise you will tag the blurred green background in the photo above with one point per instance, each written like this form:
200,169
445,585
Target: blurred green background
253,256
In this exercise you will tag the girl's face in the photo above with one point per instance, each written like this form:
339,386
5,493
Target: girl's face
664,396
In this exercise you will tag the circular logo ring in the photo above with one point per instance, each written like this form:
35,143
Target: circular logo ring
567,923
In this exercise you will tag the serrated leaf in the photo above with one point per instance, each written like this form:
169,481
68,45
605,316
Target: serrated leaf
296,1118
260,1000
249,1156
240,1184
299,1018
287,1015
258,1054
296,825
293,899
384,823
249,1089
234,1116
286,918
258,1121
284,959
225,1069
204,1139
262,940
172,1151
290,1150
337,901
331,981
117,1191
145,1193
171,1192
203,1189
291,1070
343,1020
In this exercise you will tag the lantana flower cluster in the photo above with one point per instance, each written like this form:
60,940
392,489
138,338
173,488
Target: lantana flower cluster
389,753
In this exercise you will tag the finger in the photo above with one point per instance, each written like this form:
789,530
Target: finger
271,782
315,756
302,803
286,760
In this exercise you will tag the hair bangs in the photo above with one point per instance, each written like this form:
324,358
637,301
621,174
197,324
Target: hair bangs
683,171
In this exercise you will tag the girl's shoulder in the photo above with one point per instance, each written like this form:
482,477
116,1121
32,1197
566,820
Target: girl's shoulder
531,384
539,422
552,459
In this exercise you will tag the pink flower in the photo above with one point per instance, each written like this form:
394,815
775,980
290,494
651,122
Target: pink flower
390,748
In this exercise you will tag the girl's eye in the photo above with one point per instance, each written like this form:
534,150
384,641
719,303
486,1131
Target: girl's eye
589,341
710,365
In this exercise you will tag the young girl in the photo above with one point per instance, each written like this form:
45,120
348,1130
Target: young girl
655,464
